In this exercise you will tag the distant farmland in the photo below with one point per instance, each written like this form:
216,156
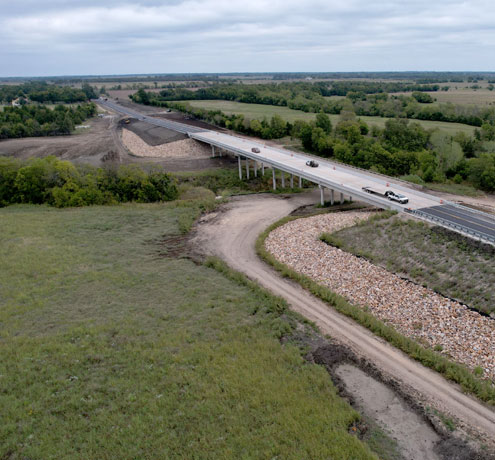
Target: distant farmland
259,111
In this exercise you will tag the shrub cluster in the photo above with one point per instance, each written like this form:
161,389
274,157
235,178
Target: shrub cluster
62,184
35,120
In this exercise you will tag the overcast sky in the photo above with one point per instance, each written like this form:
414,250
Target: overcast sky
71,37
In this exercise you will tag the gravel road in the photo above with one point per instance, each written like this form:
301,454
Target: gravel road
232,234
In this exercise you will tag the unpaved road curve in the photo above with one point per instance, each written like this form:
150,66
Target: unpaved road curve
232,234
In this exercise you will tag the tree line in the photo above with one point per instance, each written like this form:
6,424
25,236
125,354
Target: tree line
42,92
34,120
363,98
62,184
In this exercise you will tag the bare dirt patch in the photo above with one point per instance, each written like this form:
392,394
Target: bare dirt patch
416,439
92,146
102,143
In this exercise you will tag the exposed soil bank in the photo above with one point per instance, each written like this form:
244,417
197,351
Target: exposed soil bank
416,439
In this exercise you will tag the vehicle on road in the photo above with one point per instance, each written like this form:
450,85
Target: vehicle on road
255,150
312,163
390,194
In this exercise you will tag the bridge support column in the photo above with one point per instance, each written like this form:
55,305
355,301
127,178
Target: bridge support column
292,181
212,151
331,196
300,182
341,198
262,168
350,198
240,166
322,195
283,179
274,180
247,168
255,168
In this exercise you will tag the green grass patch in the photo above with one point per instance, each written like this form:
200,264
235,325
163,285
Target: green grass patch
483,389
110,350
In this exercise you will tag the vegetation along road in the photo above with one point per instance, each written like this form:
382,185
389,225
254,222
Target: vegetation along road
334,176
232,235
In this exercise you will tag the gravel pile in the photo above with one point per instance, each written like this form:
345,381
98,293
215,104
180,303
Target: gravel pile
187,148
464,335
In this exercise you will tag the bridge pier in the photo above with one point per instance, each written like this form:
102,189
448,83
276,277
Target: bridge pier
322,195
292,181
341,198
331,196
300,182
212,151
240,166
274,180
262,168
283,179
255,168
247,168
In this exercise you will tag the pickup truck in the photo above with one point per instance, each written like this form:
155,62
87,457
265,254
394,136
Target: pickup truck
391,195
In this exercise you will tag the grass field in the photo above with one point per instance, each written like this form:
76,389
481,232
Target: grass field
258,111
111,348
427,256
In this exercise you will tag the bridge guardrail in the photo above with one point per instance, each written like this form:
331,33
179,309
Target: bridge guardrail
451,225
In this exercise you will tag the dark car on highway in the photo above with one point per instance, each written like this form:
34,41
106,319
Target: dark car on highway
312,163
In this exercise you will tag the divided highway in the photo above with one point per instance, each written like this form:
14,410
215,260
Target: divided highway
335,177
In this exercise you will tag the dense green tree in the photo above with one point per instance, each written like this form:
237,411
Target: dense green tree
323,122
423,98
401,134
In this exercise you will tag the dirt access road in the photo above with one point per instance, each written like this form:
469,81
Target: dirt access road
231,234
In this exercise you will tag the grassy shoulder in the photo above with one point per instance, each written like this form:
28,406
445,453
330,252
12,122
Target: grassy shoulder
470,383
432,257
111,350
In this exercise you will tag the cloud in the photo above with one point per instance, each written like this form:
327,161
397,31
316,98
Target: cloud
87,37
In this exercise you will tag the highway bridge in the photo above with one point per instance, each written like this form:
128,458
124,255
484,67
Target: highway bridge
332,178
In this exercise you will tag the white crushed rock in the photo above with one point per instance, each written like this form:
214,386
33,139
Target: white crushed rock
187,148
417,312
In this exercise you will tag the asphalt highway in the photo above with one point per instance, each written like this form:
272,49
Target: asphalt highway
481,223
